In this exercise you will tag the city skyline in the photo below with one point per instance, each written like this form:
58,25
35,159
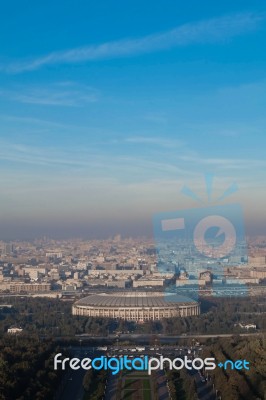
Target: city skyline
106,116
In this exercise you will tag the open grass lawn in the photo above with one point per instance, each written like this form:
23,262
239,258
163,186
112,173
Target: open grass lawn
146,384
147,395
137,387
135,374
129,395
129,382
132,394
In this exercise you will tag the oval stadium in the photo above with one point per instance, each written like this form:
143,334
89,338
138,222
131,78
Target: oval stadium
136,306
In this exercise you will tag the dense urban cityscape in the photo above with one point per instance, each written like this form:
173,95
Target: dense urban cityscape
108,297
56,268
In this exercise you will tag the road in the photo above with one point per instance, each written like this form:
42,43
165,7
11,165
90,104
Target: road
73,389
72,385
204,389
111,387
161,337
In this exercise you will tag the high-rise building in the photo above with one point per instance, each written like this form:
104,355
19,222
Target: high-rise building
8,249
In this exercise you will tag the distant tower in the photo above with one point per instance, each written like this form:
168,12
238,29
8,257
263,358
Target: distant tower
117,238
8,249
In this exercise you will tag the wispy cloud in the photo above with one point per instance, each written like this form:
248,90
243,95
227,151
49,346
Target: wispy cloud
33,121
155,141
24,154
206,31
74,157
232,164
85,159
67,94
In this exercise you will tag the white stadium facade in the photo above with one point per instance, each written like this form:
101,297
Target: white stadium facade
136,306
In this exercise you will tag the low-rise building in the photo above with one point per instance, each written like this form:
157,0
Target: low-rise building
14,330
142,282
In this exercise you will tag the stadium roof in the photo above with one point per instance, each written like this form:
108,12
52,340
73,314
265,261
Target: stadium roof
134,299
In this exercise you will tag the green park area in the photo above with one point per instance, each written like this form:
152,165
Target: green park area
136,387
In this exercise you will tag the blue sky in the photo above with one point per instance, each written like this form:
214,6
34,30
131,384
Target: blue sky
108,109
